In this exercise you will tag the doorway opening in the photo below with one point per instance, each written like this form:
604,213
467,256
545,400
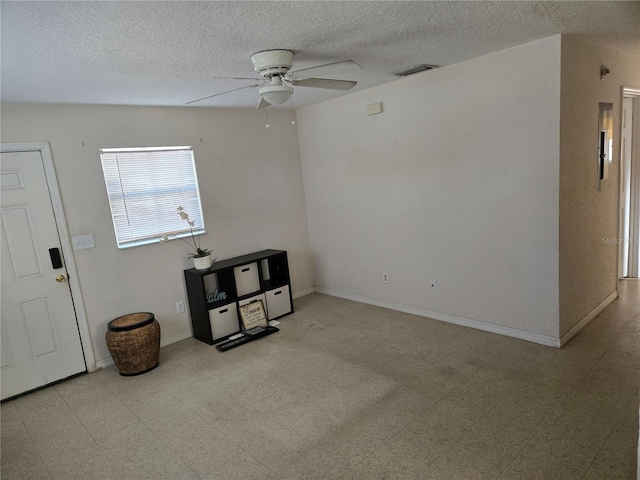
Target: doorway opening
629,237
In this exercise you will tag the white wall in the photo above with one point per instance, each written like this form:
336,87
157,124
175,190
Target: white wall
456,181
588,266
250,182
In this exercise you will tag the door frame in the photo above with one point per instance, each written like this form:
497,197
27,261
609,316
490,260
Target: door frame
635,94
65,241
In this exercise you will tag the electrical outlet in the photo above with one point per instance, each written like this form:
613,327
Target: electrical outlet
433,284
180,306
385,278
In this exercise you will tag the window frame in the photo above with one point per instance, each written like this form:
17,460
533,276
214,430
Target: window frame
160,222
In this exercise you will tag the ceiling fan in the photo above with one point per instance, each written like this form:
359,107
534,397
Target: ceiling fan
278,80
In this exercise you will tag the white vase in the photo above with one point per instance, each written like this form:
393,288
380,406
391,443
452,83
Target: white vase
202,263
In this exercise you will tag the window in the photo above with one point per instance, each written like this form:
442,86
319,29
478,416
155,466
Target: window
145,188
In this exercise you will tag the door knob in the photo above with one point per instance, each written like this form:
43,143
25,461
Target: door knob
60,278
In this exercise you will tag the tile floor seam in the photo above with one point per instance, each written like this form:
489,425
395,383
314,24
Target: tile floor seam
95,438
361,461
141,422
272,472
76,416
179,456
553,454
595,457
232,459
79,421
35,446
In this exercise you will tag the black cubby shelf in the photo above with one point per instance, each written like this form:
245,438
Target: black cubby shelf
216,294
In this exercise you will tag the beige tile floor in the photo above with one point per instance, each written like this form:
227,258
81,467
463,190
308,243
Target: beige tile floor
348,391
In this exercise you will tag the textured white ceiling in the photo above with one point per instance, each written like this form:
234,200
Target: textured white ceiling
167,53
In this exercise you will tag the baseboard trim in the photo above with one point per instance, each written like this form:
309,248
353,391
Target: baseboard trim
104,363
590,316
302,293
175,338
164,341
546,340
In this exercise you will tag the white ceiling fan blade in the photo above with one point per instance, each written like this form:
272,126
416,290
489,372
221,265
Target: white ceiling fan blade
223,93
237,78
326,83
330,69
263,103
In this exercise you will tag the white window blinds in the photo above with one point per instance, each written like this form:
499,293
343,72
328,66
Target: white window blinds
145,188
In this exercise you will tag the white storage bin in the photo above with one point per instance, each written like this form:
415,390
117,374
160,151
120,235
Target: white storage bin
278,302
247,279
224,321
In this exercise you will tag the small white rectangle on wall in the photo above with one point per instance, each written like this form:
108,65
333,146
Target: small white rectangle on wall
374,108
83,241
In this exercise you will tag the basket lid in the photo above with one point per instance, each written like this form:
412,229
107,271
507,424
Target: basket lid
130,322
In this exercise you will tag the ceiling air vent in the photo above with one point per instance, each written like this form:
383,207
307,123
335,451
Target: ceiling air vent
415,69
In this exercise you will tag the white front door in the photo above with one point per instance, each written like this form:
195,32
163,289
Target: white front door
40,342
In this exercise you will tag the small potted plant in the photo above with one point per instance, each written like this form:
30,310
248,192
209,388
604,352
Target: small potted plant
202,259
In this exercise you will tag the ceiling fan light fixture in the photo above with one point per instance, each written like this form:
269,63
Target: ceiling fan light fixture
276,94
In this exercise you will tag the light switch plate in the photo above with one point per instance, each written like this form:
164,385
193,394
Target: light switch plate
83,241
374,108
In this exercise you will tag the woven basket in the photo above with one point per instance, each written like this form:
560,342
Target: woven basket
134,343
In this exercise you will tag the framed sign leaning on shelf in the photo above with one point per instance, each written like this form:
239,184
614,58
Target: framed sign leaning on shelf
253,315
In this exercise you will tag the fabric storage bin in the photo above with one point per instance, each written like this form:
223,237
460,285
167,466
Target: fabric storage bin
224,321
247,279
278,302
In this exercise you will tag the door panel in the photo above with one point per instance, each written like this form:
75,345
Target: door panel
40,338
5,354
21,242
38,319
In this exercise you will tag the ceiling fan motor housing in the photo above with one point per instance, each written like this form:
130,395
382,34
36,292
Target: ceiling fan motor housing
272,62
